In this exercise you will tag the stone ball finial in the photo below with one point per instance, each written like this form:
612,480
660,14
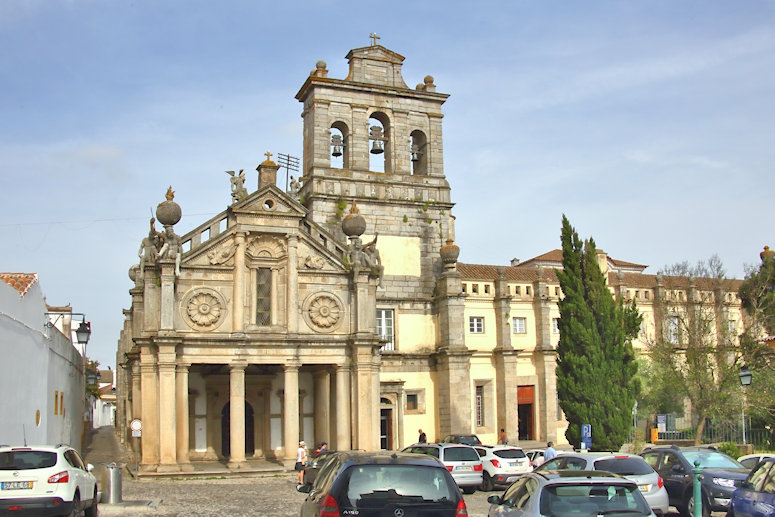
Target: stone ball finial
353,224
168,212
449,253
428,79
767,254
320,65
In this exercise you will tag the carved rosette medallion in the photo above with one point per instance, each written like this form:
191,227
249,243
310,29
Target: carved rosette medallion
323,312
203,309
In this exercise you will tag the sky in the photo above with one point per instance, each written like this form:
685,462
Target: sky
650,124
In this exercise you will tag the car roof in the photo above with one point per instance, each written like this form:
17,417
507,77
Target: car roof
386,458
591,476
498,447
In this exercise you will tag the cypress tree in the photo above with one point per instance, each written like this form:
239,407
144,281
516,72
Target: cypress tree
596,367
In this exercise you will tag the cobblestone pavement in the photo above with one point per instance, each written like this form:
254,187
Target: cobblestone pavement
271,496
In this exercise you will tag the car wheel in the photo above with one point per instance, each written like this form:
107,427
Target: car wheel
92,511
76,511
469,489
487,483
688,510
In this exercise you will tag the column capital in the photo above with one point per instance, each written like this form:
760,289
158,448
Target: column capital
238,366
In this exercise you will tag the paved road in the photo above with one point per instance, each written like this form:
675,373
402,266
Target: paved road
271,496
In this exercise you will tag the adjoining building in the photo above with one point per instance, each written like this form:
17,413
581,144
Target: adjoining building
337,311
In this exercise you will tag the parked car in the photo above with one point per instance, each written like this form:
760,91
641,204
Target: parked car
750,460
501,465
721,475
630,466
465,439
756,497
568,493
313,466
536,457
461,461
371,484
46,480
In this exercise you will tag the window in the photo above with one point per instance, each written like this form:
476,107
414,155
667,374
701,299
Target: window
555,325
518,290
415,401
411,401
519,326
56,402
263,297
385,328
557,291
527,290
672,330
475,288
479,406
476,325
731,326
465,288
646,294
486,288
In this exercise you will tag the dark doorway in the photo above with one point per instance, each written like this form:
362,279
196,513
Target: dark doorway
386,429
526,412
250,443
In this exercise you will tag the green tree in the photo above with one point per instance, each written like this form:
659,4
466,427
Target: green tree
693,346
596,367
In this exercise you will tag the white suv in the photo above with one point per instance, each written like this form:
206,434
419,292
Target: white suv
461,461
46,480
502,465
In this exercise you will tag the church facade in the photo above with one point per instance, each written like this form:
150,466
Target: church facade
337,310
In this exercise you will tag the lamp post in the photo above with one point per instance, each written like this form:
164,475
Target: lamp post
745,380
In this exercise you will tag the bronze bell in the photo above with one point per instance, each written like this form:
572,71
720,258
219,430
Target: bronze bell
336,142
377,147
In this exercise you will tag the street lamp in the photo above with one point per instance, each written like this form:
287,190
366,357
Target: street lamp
745,380
82,333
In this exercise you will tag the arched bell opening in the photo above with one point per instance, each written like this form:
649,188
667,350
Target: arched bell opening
418,154
379,143
340,155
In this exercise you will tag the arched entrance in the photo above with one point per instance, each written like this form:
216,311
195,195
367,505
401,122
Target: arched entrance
226,430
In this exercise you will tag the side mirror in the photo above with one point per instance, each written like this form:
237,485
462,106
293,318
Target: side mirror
304,488
89,467
678,468
494,499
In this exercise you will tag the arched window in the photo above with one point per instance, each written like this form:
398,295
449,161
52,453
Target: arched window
418,153
379,140
340,156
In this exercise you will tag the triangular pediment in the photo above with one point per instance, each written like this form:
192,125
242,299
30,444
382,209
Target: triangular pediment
376,65
268,202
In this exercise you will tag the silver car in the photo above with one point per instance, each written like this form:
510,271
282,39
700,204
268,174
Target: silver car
570,493
631,466
462,461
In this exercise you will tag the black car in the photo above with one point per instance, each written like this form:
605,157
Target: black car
721,475
313,466
371,484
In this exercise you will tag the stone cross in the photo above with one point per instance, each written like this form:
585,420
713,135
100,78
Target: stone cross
374,38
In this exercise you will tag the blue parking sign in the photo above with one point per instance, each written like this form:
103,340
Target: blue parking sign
586,436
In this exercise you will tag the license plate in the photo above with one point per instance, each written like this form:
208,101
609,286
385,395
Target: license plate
644,488
15,485
463,467
513,464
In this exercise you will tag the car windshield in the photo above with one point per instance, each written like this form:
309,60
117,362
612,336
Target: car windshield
27,459
626,466
710,459
509,453
592,499
376,485
460,454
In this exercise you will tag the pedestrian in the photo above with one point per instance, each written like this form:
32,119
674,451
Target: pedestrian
301,460
422,438
323,448
549,453
503,438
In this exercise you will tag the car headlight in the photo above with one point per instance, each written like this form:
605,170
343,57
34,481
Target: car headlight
727,483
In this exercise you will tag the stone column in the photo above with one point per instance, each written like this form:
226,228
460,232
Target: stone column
342,408
137,394
182,422
293,284
322,403
506,394
167,293
150,408
239,302
167,410
291,411
237,416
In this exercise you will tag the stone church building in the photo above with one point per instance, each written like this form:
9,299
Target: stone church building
336,310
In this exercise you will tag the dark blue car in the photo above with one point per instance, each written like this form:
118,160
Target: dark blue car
756,497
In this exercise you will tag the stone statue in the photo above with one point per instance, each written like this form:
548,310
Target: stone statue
295,187
149,248
172,248
238,190
371,259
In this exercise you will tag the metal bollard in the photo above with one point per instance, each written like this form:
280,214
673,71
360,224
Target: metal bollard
112,491
697,471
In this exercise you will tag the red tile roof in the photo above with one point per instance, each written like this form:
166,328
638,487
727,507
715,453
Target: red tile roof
22,282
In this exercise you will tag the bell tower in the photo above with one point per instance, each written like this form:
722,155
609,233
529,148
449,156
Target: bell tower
372,140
